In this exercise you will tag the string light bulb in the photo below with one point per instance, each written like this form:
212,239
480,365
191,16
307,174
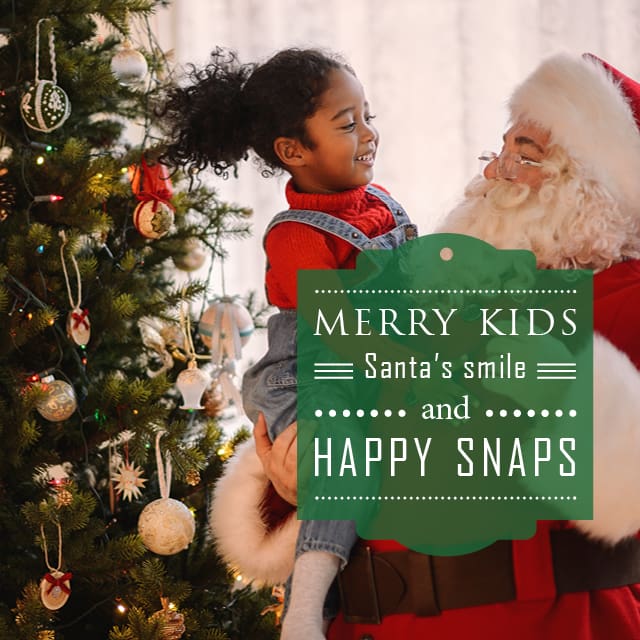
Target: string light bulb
51,197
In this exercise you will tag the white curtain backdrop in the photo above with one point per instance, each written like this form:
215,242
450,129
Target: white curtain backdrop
436,72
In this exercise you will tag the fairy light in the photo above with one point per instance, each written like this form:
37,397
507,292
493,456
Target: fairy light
40,160
51,197
41,145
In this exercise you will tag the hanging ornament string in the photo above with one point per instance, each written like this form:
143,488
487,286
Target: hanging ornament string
78,326
46,551
164,475
112,493
52,53
185,325
72,302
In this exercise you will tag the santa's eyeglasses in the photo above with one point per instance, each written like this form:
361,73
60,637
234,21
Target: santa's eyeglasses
509,165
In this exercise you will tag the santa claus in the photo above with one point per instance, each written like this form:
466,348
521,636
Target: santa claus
566,186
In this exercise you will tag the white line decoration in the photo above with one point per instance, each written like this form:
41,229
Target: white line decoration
333,370
556,370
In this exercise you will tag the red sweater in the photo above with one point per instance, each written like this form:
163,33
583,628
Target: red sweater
537,613
291,245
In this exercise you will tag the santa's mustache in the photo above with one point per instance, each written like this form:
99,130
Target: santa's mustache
570,222
500,195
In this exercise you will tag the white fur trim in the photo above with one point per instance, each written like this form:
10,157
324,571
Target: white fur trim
235,520
589,116
616,423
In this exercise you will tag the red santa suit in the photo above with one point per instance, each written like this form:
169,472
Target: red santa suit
537,612
592,112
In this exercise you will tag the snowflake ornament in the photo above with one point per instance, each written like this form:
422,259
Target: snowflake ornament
128,481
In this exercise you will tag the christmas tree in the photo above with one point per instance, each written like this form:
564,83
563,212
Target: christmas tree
98,321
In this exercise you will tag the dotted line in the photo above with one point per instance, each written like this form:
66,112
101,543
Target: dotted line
445,498
360,413
530,413
432,291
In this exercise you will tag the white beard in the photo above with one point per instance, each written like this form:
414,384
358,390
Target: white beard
567,223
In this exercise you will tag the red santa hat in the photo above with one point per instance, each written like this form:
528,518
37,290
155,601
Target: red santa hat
593,112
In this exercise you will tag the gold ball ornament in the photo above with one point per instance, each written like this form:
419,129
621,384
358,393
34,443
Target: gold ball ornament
47,634
128,65
153,219
166,526
45,106
193,257
173,621
59,402
193,477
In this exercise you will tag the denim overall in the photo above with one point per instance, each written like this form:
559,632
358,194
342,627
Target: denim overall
269,386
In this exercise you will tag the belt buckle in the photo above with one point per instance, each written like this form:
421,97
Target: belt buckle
358,595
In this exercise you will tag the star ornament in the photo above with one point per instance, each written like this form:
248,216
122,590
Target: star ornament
128,481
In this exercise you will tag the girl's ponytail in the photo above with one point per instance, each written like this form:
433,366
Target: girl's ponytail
206,120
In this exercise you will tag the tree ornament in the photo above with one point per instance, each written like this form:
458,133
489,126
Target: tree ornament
193,477
7,196
153,219
167,340
128,65
191,383
213,401
225,327
47,634
172,621
277,593
166,526
225,375
128,480
55,586
45,106
151,184
78,325
60,400
193,257
64,497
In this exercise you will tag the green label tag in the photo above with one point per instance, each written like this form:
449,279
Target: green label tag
445,394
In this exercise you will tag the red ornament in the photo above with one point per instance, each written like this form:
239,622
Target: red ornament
151,185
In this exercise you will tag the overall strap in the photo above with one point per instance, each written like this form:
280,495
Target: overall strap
398,212
324,222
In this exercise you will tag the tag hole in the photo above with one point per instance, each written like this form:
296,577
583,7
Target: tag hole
446,254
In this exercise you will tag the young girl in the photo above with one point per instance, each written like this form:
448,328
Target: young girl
305,112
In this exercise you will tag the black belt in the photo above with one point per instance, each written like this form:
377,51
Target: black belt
376,584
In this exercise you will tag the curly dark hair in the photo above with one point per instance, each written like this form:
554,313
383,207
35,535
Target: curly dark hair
231,107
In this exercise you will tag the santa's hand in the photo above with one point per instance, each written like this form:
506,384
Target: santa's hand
279,459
